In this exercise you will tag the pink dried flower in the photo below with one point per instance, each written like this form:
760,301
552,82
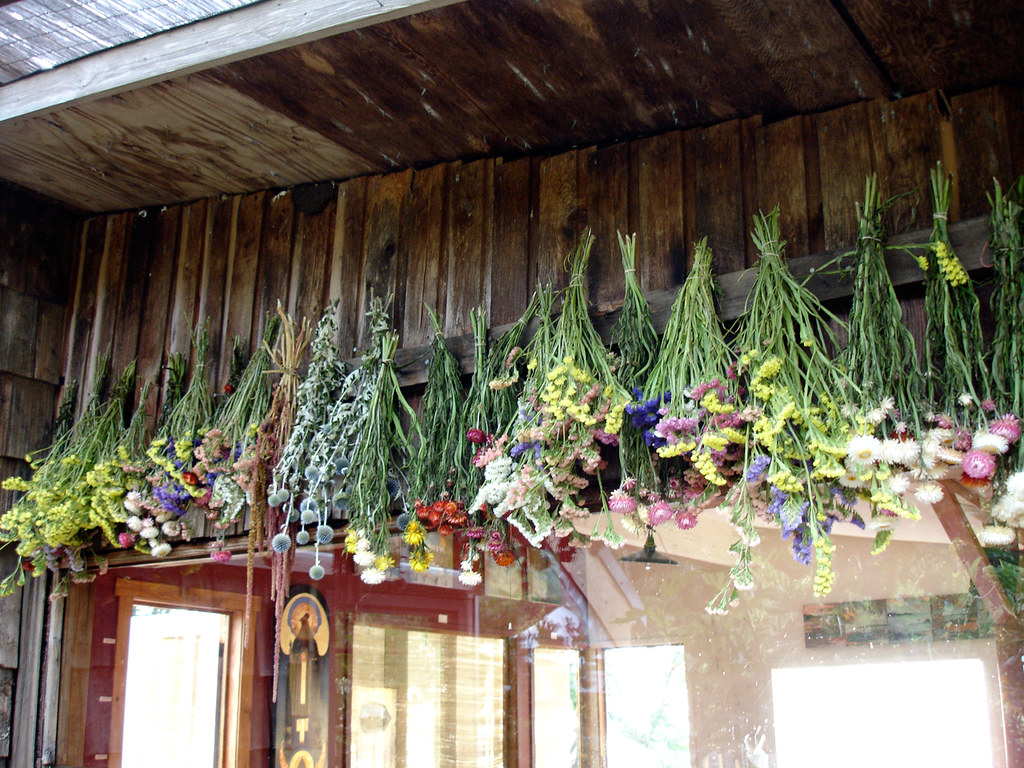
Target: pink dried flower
962,441
979,465
686,518
1006,426
621,502
659,513
220,556
126,539
989,406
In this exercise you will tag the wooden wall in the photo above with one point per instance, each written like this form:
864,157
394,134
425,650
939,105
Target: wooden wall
452,237
36,246
483,232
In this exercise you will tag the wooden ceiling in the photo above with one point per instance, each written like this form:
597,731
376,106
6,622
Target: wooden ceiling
494,77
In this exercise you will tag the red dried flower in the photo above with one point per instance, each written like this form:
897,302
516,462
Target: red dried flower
475,435
191,478
228,389
504,558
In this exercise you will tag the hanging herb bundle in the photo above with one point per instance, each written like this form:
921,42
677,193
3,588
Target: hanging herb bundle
1007,240
685,412
379,459
54,516
273,432
434,470
327,474
954,347
512,491
880,358
244,409
1007,224
174,390
637,342
797,396
192,414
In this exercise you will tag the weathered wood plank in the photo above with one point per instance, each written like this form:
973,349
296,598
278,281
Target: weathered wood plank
244,33
969,239
558,218
314,242
346,262
156,309
845,156
510,256
273,273
780,151
30,656
981,129
217,256
6,710
909,146
49,343
29,406
184,304
943,43
386,199
52,680
719,194
142,230
10,612
241,280
19,317
608,206
83,306
467,240
222,141
661,244
425,271
36,246
748,180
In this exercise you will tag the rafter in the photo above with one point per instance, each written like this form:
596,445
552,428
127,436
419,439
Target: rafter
233,36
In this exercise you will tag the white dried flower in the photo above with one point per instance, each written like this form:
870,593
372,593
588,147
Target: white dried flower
364,558
470,578
134,523
1015,484
899,483
929,493
996,536
372,576
864,449
160,550
989,442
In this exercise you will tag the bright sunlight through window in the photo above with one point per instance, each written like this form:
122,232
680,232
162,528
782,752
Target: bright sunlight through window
933,713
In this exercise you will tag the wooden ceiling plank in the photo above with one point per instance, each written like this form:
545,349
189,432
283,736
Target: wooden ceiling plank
949,44
240,34
173,142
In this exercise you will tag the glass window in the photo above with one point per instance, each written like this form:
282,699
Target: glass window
174,684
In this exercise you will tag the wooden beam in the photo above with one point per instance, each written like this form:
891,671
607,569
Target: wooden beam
827,273
228,37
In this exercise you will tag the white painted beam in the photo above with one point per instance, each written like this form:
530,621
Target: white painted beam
233,36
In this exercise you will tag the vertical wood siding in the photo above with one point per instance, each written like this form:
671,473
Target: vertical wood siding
484,232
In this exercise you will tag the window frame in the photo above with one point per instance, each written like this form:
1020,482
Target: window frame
236,723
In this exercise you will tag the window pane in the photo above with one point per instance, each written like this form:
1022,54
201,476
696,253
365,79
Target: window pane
426,699
937,713
556,707
648,712
173,687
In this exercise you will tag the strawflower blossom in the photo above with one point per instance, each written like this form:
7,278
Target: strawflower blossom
929,493
864,449
979,465
996,536
372,576
161,549
1006,426
990,442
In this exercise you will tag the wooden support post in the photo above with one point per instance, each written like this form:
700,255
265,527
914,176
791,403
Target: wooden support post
1009,628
